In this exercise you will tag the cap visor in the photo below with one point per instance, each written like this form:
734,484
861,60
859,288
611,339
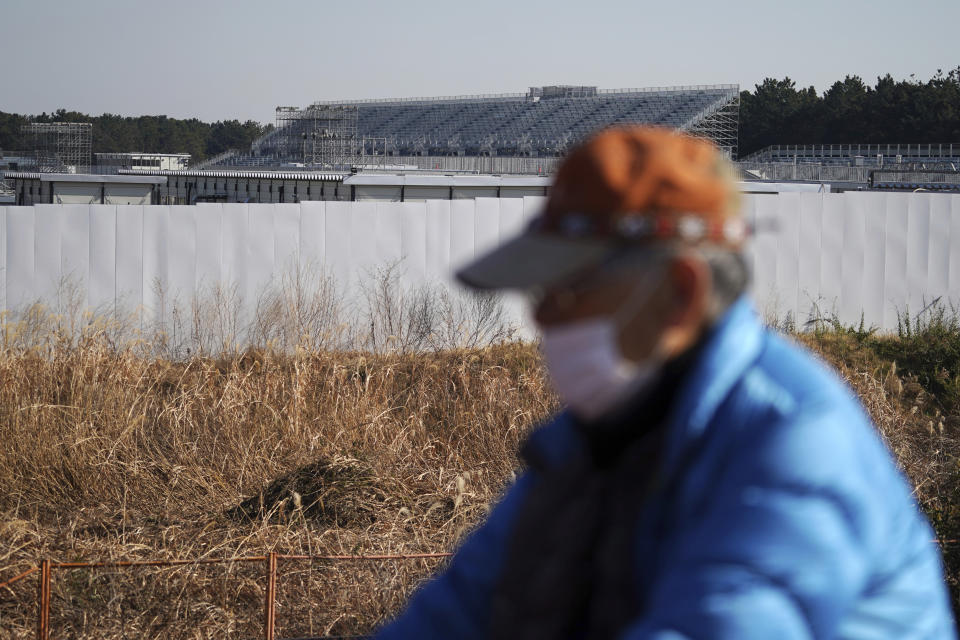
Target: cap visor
532,260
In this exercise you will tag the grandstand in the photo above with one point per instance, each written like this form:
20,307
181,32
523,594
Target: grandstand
905,167
866,155
541,123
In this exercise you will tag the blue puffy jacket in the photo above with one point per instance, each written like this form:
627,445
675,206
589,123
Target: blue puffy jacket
789,518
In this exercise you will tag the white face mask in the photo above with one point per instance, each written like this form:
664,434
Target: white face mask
588,371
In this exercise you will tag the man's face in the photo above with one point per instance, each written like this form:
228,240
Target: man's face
605,294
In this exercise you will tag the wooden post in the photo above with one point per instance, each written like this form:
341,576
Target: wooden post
269,614
43,601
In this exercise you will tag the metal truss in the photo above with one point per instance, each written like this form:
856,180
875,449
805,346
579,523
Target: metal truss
719,123
61,147
322,136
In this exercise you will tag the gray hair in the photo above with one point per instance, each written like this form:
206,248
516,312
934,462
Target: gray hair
731,277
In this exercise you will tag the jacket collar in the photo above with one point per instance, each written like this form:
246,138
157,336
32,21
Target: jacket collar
734,344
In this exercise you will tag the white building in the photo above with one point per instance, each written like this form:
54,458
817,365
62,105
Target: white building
418,188
72,188
113,162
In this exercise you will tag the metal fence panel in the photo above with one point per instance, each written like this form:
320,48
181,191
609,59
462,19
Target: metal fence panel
19,268
787,282
894,269
156,221
337,239
954,280
210,237
830,253
3,258
486,231
75,248
809,255
313,217
438,239
852,250
918,243
102,288
261,250
129,260
234,267
48,261
938,265
182,252
389,237
286,238
363,245
413,223
462,231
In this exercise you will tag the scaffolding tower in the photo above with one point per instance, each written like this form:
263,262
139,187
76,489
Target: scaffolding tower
321,135
720,123
60,147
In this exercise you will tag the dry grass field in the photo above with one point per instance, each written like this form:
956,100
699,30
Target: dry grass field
112,452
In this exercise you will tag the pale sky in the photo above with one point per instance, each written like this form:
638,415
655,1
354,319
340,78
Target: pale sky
220,59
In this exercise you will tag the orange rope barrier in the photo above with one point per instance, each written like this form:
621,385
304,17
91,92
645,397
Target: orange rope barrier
153,563
409,556
19,577
175,563
46,567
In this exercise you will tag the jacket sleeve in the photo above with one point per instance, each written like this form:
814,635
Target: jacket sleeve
456,603
783,547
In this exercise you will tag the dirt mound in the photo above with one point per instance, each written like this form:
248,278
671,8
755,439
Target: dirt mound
342,492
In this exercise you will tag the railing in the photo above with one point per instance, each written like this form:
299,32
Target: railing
524,165
220,157
689,87
525,96
460,98
892,178
480,164
789,151
786,172
270,560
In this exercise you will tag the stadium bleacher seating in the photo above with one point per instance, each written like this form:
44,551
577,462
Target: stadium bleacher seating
543,122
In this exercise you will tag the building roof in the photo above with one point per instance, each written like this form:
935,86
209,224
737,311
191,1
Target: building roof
84,177
258,175
780,187
413,180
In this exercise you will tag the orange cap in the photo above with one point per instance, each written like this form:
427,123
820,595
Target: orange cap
624,185
623,171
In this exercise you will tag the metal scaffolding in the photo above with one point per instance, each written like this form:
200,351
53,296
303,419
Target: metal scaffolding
320,135
60,147
719,123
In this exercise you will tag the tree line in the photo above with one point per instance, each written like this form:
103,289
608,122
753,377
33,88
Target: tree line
775,112
158,134
850,111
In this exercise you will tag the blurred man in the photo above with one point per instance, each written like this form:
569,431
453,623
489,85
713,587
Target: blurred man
709,479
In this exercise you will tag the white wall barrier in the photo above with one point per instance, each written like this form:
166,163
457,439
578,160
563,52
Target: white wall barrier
842,254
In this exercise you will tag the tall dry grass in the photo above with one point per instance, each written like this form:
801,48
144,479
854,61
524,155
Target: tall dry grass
116,449
109,454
